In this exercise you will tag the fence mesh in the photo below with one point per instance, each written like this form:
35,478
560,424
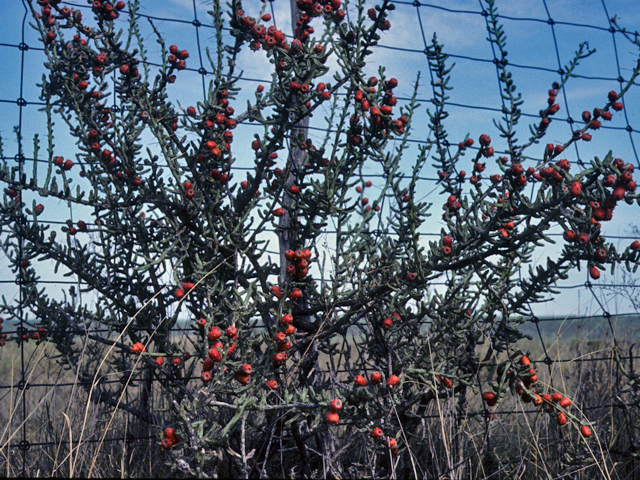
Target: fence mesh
542,36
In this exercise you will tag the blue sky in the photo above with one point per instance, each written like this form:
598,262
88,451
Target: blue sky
535,46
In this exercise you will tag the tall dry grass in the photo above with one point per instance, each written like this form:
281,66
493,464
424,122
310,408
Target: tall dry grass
68,434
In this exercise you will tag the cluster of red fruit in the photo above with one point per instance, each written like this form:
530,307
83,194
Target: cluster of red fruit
377,434
554,175
553,106
279,358
170,439
217,125
99,63
137,348
106,156
485,150
281,339
104,9
376,378
82,227
49,19
216,348
593,122
62,163
177,57
299,263
379,115
583,239
261,36
270,38
130,174
523,379
444,381
384,24
518,177
77,41
211,146
617,106
303,88
365,200
321,88
294,294
176,362
81,81
105,118
14,193
189,192
447,245
280,179
243,375
452,204
38,334
335,406
552,109
620,184
107,10
315,8
130,71
220,177
388,321
468,142
186,287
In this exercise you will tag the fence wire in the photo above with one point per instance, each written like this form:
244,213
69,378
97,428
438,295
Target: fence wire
20,103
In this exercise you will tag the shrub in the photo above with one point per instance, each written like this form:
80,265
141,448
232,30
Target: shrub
272,347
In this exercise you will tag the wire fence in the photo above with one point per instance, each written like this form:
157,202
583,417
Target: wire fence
404,51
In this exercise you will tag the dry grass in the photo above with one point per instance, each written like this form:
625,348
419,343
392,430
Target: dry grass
66,432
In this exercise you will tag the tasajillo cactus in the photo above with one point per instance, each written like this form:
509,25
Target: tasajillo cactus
334,348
